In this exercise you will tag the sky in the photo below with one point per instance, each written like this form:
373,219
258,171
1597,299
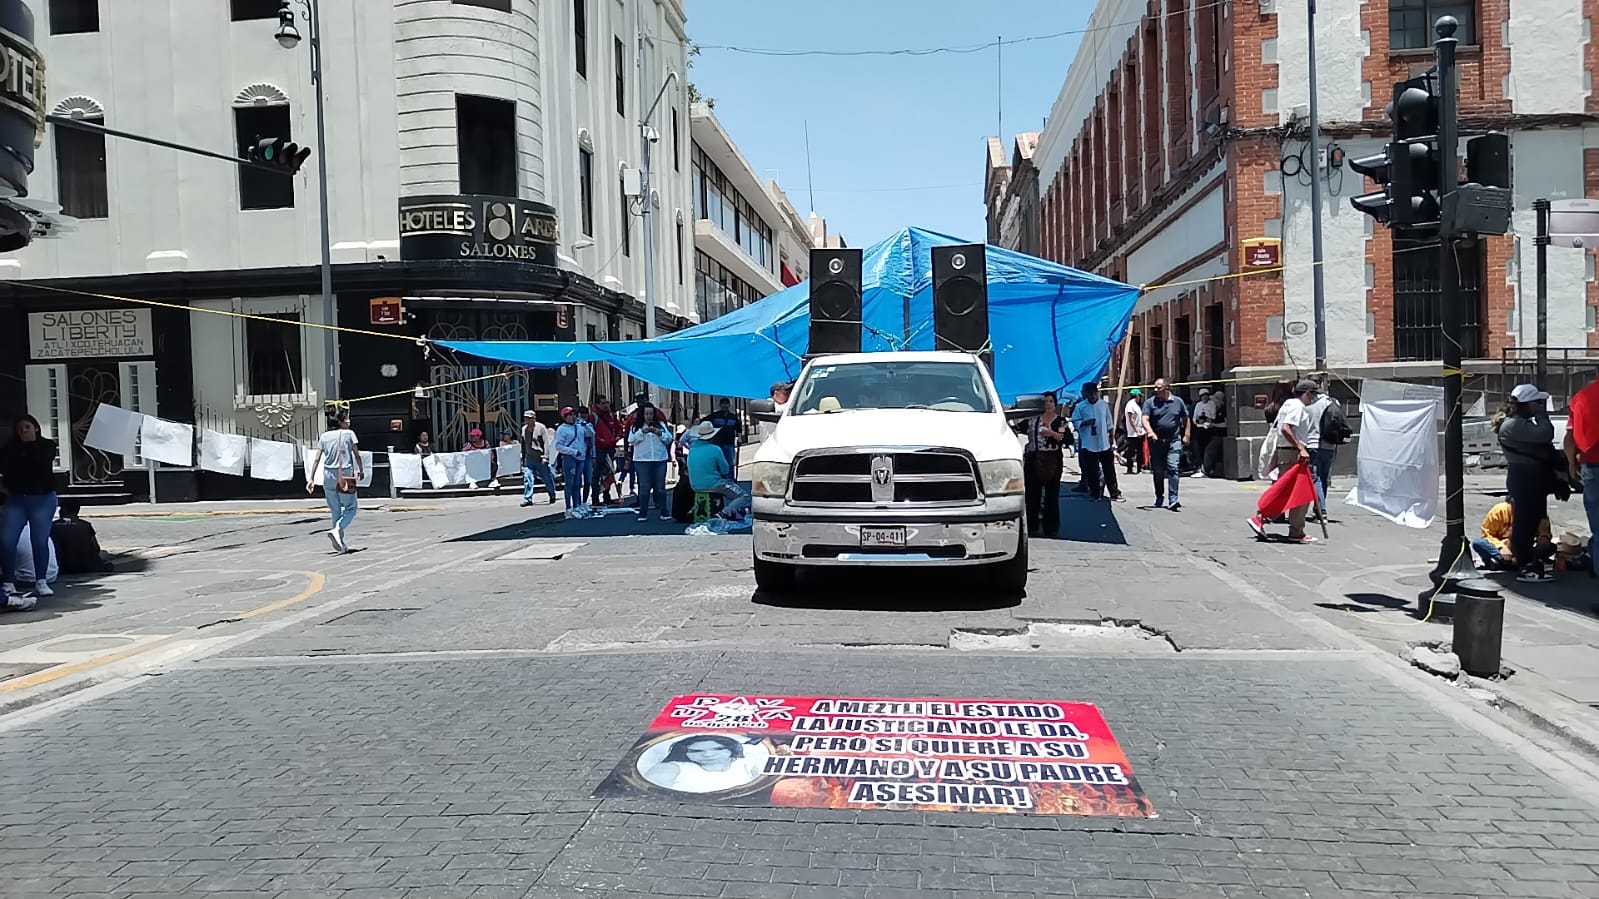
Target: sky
894,140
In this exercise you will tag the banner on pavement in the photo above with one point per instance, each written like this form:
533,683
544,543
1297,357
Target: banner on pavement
990,755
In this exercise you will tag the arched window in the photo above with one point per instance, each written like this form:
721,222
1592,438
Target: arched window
81,184
262,112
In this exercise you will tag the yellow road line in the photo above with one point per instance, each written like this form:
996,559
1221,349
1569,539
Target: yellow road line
196,513
317,580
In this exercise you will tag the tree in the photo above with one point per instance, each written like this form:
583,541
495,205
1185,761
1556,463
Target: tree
694,95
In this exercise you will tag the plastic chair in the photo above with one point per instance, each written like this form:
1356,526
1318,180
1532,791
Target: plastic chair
703,509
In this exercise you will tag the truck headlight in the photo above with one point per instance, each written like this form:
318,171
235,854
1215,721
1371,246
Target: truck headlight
769,478
1001,476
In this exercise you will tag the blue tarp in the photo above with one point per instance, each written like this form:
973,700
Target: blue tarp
1050,326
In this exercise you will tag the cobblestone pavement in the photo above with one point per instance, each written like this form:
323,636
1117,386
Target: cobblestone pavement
429,717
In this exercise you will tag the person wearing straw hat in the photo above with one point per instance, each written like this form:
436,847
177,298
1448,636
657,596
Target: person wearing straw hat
708,472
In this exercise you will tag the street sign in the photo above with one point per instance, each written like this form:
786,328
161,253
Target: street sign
1574,223
386,311
1262,252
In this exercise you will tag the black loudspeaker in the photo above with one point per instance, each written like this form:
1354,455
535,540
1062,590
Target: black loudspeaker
960,299
835,301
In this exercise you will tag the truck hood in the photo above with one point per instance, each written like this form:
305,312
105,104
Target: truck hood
986,436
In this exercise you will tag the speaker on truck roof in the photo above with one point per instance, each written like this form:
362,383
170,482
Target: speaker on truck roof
835,301
960,300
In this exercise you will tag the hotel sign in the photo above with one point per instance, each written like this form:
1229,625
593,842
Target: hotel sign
90,334
474,226
21,95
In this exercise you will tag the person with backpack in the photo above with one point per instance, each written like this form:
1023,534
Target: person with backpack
1332,431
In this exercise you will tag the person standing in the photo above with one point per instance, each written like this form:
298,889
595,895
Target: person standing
1204,421
650,443
1133,427
1041,468
27,470
571,446
1093,419
1169,427
586,469
535,450
1582,451
338,454
607,433
1293,429
1527,438
1210,459
726,422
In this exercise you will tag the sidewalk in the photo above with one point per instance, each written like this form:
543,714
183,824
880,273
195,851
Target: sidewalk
1370,578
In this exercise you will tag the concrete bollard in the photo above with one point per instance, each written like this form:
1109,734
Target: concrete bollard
1479,633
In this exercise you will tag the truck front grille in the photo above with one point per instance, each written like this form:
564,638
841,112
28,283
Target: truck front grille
884,477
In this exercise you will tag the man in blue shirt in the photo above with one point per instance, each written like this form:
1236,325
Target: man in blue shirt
571,447
1169,424
708,472
726,422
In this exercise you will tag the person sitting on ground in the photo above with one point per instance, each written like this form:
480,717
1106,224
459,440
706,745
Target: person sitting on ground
708,472
1493,547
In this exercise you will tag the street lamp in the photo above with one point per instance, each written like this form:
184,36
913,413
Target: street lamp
647,136
288,37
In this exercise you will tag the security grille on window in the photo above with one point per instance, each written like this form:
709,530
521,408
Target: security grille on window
273,363
1410,22
80,172
246,10
260,189
74,16
585,183
485,130
1418,300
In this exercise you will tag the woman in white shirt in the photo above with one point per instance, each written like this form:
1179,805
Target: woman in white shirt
650,443
338,457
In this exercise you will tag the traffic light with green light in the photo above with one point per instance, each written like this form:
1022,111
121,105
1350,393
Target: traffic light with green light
279,153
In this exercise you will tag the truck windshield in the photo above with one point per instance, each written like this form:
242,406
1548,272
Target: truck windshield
945,386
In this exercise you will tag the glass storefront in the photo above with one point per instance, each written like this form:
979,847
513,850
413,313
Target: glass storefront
717,291
716,201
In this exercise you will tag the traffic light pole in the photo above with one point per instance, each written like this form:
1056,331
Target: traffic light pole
1318,282
329,314
82,125
1455,573
1540,209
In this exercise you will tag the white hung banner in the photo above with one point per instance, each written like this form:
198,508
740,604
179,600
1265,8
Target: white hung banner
365,480
454,468
271,460
479,465
405,471
167,441
1397,465
222,453
508,459
438,474
114,430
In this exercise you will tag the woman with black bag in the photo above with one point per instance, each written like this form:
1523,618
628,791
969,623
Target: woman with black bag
1041,468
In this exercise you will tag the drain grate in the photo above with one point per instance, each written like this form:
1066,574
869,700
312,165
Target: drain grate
362,617
227,587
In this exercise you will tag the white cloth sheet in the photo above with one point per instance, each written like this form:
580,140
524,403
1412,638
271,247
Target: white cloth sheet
479,465
271,460
167,441
1397,465
223,453
405,471
114,430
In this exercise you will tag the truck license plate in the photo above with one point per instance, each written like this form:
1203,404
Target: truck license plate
880,536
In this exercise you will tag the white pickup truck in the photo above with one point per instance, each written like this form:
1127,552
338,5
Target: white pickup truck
890,459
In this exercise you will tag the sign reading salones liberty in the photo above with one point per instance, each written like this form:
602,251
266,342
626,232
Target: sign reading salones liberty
90,334
474,226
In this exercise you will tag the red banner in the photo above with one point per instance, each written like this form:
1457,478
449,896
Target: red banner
986,755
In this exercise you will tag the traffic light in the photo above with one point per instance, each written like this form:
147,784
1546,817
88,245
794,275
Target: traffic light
1409,166
278,152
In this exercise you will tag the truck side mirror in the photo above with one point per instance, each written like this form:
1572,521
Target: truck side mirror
1025,407
763,410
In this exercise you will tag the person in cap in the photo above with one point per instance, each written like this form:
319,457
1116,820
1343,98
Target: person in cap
1532,468
475,441
535,458
571,446
780,393
1294,430
708,472
1133,428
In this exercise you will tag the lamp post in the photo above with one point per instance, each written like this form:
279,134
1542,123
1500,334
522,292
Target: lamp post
289,37
647,136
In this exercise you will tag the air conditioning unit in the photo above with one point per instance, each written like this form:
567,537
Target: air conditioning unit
1268,7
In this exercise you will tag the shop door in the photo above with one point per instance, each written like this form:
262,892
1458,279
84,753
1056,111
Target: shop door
64,397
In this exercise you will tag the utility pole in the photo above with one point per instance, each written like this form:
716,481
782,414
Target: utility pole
1540,377
648,136
1318,281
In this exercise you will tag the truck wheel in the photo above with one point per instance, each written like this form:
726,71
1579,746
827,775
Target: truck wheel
774,577
1010,576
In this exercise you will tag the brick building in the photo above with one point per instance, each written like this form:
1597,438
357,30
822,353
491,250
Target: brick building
1179,136
1010,192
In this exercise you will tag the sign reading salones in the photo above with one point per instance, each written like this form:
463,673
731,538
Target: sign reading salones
21,95
474,226
90,334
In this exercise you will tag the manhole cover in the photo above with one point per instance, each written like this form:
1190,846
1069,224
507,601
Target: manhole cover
238,586
87,644
1415,580
8,670
370,616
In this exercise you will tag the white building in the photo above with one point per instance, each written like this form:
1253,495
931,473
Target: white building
434,109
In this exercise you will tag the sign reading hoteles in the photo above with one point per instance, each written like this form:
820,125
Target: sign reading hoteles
474,226
21,95
90,334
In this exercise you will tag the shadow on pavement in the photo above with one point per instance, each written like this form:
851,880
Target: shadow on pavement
1573,591
70,596
1372,602
900,590
618,524
1085,520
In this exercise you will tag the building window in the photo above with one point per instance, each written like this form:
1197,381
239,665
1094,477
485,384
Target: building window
1418,300
260,189
501,5
74,16
627,217
677,145
621,78
585,184
580,35
272,353
485,131
246,10
80,172
1410,22
680,268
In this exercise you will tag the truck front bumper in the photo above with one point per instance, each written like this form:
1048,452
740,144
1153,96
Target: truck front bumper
981,535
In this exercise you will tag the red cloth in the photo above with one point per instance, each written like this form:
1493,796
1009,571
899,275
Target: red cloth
1585,422
1297,487
789,279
